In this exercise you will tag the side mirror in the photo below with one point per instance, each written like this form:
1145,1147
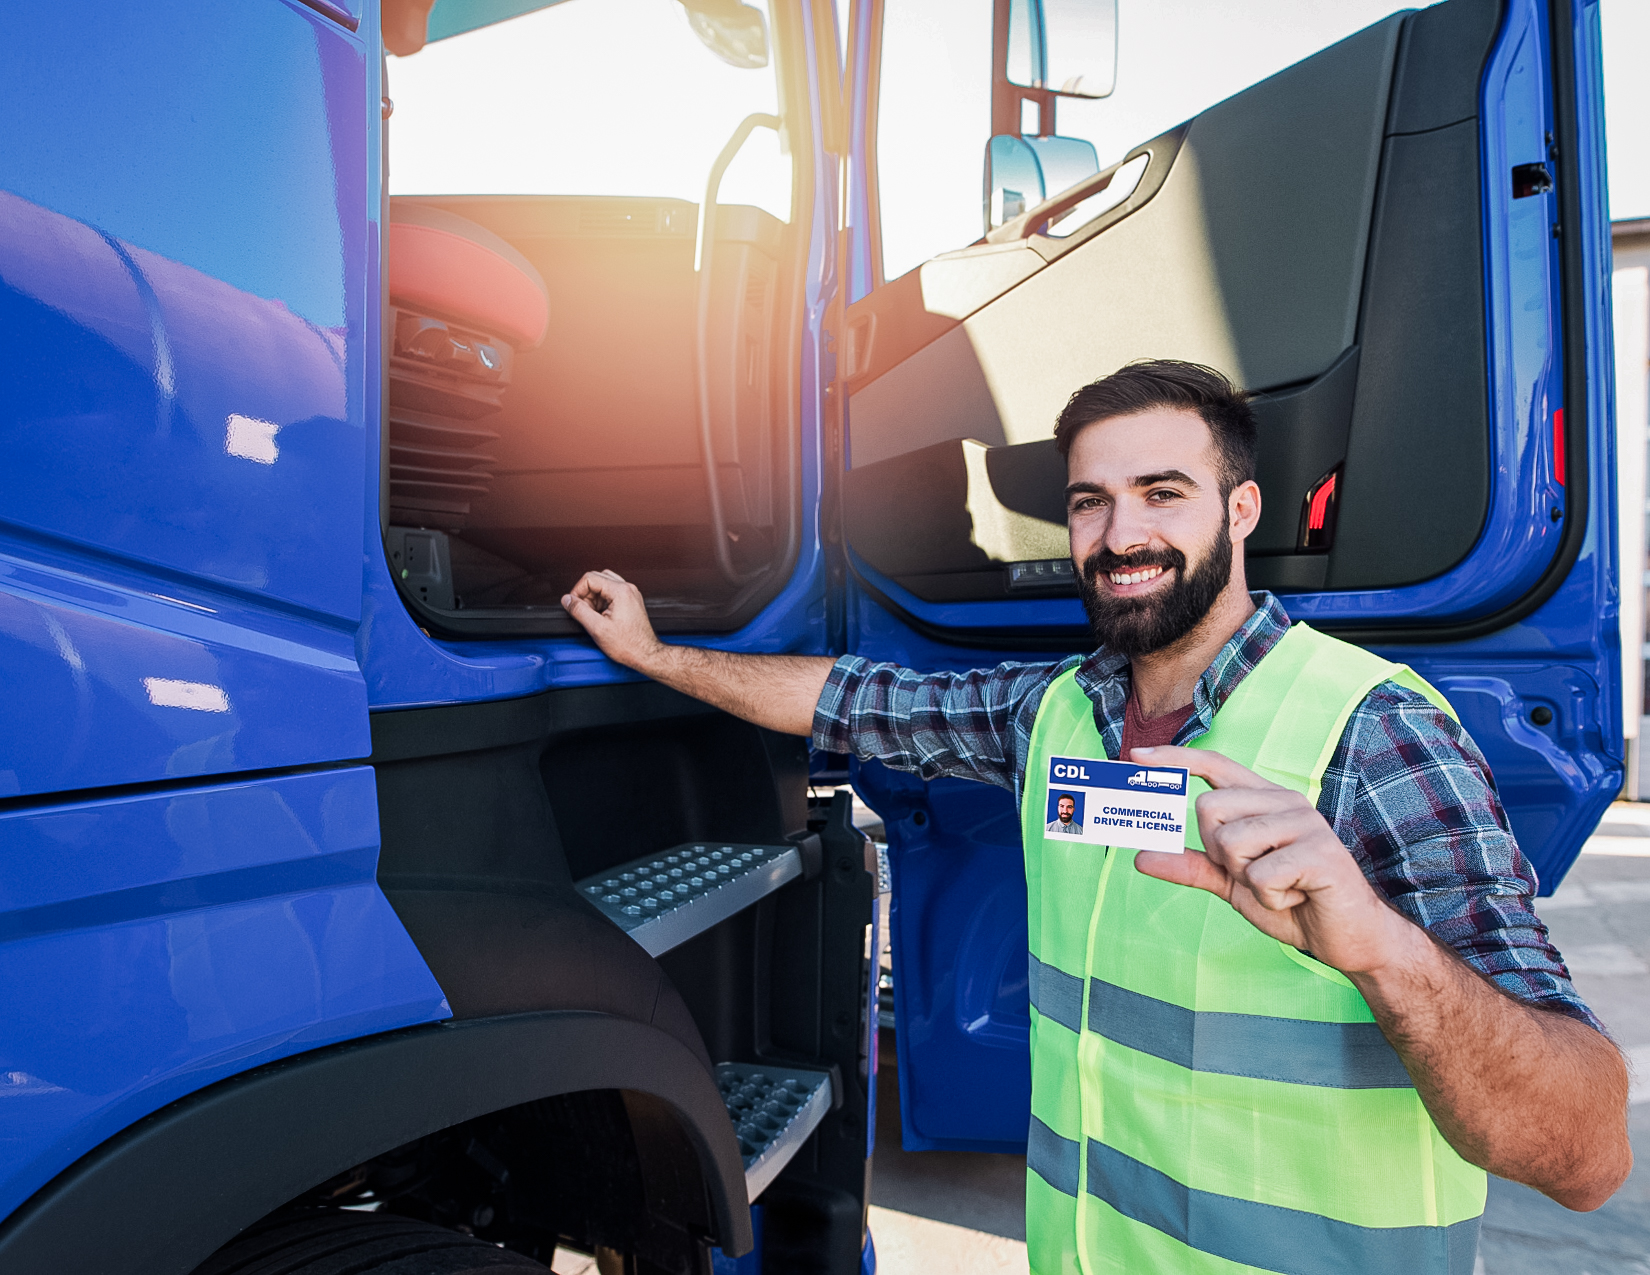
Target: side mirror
1065,161
734,32
1013,179
1021,172
1067,47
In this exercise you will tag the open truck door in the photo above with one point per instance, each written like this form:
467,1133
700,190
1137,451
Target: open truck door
1398,243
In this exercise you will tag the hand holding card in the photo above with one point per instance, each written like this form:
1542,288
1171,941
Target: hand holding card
1110,803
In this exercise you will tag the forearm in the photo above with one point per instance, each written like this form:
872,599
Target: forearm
1528,1094
776,691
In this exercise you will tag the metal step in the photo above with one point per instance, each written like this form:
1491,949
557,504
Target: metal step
665,899
773,1110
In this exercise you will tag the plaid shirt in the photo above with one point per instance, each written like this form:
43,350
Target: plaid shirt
1407,790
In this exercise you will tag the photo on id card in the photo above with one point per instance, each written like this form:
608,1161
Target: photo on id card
1113,803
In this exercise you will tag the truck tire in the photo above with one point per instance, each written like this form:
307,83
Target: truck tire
340,1242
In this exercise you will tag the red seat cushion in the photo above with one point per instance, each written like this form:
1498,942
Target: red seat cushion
447,266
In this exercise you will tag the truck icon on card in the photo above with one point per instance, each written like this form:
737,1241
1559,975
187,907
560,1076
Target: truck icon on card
1155,779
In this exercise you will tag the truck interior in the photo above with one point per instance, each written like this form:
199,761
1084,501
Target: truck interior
581,381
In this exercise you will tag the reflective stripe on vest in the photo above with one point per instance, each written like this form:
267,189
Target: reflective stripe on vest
1294,1050
1223,1101
1261,1236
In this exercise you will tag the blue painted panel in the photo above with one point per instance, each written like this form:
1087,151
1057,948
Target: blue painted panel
1555,780
182,287
183,296
151,945
958,924
113,681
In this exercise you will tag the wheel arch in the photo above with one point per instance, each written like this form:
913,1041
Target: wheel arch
166,1192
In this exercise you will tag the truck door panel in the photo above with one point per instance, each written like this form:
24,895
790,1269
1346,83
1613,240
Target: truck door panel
1252,256
1346,241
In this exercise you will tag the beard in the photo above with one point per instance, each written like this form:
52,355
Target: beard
1140,625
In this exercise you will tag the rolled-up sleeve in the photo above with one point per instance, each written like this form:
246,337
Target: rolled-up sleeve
1409,792
971,725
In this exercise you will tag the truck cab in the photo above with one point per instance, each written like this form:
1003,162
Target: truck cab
353,906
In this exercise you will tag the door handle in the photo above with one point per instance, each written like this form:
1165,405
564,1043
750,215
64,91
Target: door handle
862,333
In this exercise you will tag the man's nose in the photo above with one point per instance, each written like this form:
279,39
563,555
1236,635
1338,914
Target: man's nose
1128,529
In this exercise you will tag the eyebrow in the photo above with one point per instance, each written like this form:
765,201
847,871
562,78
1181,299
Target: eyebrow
1140,480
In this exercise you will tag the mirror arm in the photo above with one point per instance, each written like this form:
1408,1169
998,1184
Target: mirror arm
707,242
1034,221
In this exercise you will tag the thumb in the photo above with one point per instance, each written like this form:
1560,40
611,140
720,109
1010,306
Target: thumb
1190,869
580,609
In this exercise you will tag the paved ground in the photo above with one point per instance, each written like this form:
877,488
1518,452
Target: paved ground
1600,920
946,1213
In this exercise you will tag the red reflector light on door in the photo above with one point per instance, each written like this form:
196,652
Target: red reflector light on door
1558,447
1318,512
1320,505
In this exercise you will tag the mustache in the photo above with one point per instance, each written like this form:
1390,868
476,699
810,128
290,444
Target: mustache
1104,561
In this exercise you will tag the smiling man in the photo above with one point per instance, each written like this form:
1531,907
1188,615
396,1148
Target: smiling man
1066,821
1299,1048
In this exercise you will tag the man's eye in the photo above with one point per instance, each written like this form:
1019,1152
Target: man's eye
1164,494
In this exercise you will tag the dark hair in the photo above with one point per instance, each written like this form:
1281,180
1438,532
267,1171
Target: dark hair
1065,796
1148,383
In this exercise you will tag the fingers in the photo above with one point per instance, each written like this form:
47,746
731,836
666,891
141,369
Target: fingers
1283,879
599,589
1216,770
1235,843
1282,858
592,584
1218,807
580,609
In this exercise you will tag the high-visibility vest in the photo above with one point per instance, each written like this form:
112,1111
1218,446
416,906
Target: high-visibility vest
1205,1098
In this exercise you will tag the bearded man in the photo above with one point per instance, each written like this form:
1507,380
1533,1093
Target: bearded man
1300,1048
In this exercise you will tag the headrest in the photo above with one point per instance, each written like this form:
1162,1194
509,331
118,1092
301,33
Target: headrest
448,266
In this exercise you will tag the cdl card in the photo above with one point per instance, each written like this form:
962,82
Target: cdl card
1113,803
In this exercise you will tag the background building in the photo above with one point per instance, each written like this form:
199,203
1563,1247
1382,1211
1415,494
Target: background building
1631,242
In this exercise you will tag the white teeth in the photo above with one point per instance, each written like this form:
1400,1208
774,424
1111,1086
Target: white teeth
1136,577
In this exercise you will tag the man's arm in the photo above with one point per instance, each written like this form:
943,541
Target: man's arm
776,691
974,725
1411,795
1528,1094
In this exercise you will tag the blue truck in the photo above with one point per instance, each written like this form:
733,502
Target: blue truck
355,913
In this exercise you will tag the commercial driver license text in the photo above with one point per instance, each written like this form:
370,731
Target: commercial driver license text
1113,803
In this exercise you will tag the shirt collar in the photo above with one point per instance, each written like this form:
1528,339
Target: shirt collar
1104,675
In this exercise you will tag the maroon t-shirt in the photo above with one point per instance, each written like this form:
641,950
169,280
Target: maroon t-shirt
1150,732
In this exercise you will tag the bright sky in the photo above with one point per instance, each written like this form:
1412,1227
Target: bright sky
590,97
1175,58
1626,25
508,110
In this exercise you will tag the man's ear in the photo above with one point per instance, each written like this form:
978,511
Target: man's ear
1243,509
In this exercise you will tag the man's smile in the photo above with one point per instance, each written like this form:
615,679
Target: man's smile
1138,581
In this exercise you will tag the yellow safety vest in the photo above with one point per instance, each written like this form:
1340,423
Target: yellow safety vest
1205,1098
